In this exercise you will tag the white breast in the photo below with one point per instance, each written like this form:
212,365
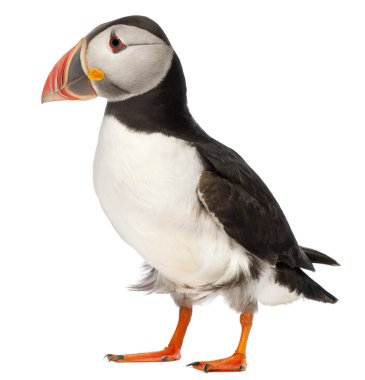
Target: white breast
146,184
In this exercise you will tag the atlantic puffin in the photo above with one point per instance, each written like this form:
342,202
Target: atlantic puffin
202,219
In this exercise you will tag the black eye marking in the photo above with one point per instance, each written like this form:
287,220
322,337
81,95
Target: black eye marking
116,44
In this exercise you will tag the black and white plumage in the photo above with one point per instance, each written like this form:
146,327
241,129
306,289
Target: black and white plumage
202,219
211,195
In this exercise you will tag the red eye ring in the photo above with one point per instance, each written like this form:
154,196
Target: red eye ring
116,44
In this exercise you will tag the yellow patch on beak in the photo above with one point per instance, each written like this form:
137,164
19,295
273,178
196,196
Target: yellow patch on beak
95,74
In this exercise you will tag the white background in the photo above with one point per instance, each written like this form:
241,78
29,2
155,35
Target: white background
281,82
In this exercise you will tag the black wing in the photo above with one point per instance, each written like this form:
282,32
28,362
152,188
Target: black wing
231,191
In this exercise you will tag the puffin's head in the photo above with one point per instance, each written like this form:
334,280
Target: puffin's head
117,60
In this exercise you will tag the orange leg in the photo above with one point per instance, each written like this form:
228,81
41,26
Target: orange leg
236,362
169,353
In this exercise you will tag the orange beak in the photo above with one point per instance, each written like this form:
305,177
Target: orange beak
68,79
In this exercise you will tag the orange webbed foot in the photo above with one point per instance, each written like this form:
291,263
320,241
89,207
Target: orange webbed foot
166,355
234,363
169,353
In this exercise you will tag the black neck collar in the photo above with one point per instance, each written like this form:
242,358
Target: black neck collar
163,109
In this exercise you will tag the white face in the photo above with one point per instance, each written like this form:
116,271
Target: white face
131,70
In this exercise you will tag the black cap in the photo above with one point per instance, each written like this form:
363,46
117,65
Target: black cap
141,22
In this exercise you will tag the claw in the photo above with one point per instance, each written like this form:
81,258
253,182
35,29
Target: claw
193,363
114,358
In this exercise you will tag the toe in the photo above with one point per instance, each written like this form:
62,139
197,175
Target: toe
234,363
201,366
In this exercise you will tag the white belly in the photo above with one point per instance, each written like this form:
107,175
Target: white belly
146,184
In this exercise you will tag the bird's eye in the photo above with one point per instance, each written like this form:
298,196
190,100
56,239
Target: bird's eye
116,44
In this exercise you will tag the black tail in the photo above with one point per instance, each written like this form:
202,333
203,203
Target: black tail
296,280
319,257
